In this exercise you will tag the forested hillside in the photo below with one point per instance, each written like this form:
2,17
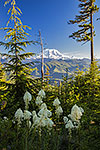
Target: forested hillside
57,68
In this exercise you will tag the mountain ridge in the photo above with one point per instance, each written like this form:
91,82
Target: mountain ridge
55,54
57,64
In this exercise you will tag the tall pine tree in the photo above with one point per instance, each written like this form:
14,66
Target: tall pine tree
85,23
19,72
3,88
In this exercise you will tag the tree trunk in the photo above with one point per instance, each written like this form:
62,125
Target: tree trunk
42,63
91,30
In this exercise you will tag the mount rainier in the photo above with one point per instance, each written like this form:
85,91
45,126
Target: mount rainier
52,54
56,62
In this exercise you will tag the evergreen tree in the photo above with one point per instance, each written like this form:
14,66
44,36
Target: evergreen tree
3,88
85,23
19,72
2,77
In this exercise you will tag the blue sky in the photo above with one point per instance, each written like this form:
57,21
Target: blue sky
51,16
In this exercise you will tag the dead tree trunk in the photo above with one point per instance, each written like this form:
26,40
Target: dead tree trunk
42,60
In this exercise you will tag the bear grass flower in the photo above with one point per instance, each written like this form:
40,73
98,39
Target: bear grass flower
41,93
19,114
36,121
42,120
43,106
45,112
76,113
38,100
59,111
69,125
49,123
39,121
27,115
35,117
45,122
27,98
56,102
75,116
65,119
49,113
42,112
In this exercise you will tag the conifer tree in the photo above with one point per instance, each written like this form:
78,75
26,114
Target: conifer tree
3,88
16,38
85,23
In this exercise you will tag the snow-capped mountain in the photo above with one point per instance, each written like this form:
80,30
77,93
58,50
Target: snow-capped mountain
52,54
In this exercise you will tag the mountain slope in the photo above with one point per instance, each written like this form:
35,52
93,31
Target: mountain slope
56,62
57,68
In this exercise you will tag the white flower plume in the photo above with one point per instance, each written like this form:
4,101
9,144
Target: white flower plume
38,100
43,106
75,113
75,116
65,119
27,98
19,114
41,93
59,110
27,115
49,123
69,125
56,102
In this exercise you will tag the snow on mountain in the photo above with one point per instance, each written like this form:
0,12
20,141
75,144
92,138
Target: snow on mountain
52,54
